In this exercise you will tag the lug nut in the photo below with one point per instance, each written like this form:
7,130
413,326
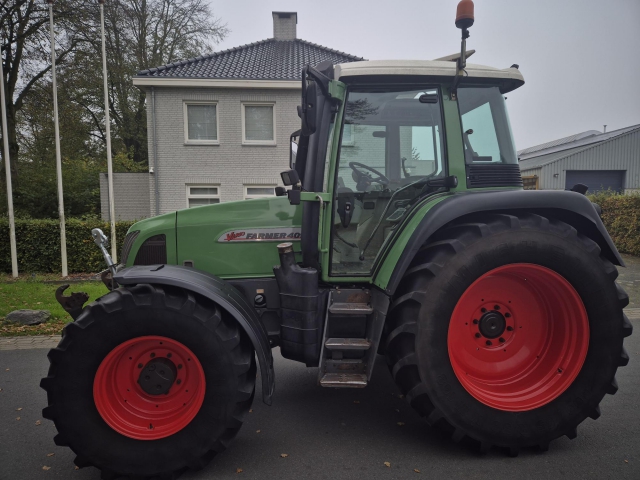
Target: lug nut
489,342
496,307
483,309
501,340
475,321
510,329
178,381
507,315
477,335
140,365
179,366
168,355
152,355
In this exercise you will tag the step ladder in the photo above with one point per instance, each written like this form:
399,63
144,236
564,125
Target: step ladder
351,334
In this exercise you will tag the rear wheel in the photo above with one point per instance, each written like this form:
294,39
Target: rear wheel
507,330
149,381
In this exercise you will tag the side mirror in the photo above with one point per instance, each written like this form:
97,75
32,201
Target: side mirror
281,192
290,178
309,98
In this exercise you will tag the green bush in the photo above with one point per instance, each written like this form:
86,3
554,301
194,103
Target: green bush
38,245
621,216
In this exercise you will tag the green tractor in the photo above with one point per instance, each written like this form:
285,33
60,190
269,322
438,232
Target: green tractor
405,232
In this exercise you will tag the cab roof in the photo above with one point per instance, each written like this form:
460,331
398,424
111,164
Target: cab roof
508,78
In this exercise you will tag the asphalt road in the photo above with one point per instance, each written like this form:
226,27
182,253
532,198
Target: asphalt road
327,435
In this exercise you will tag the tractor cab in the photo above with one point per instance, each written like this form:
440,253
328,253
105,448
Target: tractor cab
379,138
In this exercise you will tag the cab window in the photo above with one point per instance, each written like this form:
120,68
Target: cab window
486,132
392,142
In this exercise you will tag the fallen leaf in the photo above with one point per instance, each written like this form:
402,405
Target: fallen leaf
387,464
38,422
18,409
17,418
356,401
398,410
77,468
400,396
7,370
50,454
238,470
45,468
251,410
416,470
400,424
626,461
257,431
284,455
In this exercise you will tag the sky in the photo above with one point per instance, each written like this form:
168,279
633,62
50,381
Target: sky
578,57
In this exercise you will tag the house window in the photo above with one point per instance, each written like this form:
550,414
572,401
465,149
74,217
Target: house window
259,191
259,123
201,123
198,195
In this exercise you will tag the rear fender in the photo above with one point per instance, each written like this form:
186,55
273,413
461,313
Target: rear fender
570,207
222,293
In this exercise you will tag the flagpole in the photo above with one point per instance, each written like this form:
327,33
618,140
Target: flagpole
63,235
112,208
7,167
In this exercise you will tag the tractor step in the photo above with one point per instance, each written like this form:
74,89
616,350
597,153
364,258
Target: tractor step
346,380
347,344
350,309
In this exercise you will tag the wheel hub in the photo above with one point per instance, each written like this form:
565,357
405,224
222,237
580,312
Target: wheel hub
518,337
492,324
149,387
158,376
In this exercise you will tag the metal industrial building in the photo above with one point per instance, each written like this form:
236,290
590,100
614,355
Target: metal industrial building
600,160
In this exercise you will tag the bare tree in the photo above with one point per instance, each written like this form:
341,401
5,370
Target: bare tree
25,49
142,34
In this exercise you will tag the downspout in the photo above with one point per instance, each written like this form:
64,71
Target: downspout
155,149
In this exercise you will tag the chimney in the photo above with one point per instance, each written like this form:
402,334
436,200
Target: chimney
284,25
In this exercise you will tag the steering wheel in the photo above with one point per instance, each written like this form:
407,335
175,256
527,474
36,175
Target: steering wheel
364,177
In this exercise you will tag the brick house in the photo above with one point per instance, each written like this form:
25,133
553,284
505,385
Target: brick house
219,124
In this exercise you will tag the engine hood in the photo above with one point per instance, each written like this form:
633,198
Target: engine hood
236,239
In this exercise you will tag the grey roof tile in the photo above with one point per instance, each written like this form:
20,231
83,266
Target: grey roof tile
268,59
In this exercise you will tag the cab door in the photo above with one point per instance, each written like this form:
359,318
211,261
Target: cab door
390,146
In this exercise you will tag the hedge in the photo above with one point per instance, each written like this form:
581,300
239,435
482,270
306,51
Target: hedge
621,216
38,245
39,240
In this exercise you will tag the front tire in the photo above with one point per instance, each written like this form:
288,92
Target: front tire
112,411
507,330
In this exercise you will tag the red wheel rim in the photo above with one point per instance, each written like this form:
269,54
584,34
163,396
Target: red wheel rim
534,353
130,410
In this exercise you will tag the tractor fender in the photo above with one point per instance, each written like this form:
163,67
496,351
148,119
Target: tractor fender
222,293
570,207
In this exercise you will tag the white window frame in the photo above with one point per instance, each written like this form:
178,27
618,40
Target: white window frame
352,142
248,196
258,142
210,185
190,141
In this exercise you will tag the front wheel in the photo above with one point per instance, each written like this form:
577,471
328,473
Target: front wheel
507,330
148,382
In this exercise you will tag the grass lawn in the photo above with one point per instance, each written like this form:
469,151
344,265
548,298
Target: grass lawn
37,295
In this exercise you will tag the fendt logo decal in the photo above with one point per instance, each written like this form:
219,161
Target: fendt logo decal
231,236
261,235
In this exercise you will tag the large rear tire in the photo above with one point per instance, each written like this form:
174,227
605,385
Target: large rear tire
507,330
113,418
